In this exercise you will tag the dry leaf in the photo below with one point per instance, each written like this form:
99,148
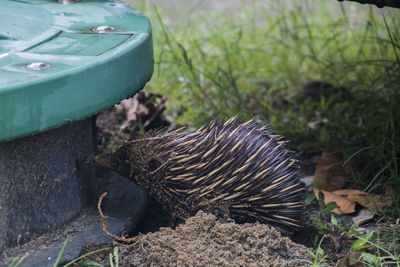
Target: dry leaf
145,108
344,205
330,174
131,107
373,202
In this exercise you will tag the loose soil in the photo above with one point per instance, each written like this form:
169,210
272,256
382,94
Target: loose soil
200,241
204,241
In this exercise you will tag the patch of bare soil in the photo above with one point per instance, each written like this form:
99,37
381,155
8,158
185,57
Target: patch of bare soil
204,241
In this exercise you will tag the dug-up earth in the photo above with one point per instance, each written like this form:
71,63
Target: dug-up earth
204,241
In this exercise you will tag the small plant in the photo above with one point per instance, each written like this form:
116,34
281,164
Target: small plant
324,212
16,262
325,209
87,262
56,263
114,261
319,257
365,245
361,242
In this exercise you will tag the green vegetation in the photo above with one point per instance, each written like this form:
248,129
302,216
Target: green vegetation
257,61
318,256
58,259
377,258
16,262
85,262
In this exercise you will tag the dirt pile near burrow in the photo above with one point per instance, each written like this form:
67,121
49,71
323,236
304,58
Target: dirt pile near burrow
204,241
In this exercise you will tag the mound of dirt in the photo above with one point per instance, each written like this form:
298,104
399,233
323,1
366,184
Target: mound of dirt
204,241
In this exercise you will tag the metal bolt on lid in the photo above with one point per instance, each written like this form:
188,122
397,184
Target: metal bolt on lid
37,66
68,1
103,29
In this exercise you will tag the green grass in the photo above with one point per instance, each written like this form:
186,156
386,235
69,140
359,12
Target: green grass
255,62
220,66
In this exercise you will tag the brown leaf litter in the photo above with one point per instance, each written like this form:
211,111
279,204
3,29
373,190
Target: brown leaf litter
331,175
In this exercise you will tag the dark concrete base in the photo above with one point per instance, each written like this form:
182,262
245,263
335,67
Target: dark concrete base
125,203
40,186
47,194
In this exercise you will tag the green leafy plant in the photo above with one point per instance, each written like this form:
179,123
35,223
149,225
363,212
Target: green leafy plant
319,257
382,255
362,241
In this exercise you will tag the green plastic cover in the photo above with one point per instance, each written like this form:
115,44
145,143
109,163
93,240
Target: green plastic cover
62,62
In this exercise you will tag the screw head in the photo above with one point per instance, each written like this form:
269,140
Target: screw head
37,66
103,29
68,1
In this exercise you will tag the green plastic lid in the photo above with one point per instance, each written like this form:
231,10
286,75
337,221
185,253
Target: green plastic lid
62,61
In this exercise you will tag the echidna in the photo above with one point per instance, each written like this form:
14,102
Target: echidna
237,167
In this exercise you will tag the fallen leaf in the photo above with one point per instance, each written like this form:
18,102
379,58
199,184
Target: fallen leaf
131,108
348,192
330,174
373,202
344,205
144,108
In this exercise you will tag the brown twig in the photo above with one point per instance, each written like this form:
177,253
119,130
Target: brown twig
103,223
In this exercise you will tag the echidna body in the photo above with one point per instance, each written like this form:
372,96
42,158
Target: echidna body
240,167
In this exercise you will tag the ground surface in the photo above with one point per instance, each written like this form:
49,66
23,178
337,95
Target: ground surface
166,246
204,241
